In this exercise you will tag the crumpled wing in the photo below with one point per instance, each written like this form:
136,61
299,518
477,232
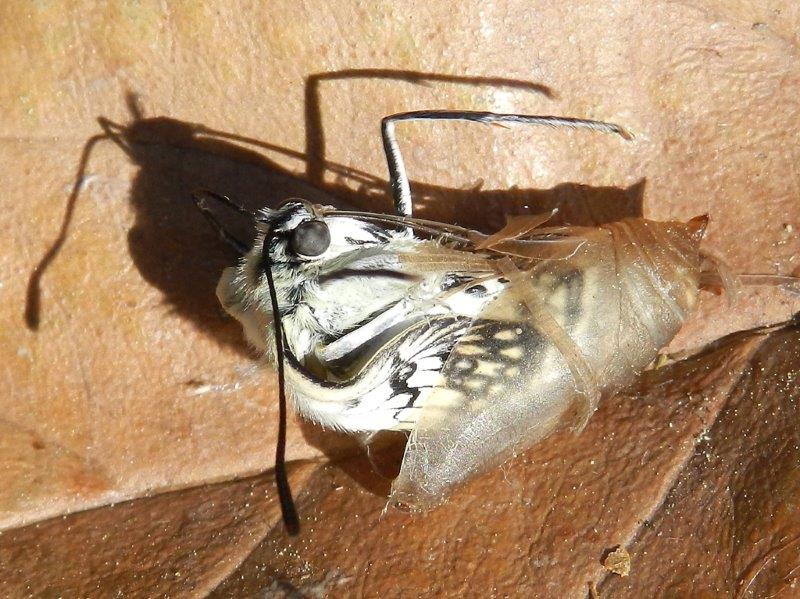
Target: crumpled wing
485,409
505,386
538,355
516,227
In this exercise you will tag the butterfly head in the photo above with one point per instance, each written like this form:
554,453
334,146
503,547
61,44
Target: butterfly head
326,271
304,237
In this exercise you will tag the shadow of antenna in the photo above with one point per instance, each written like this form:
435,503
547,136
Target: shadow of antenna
33,295
315,139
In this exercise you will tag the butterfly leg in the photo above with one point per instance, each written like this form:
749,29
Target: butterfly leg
398,178
200,198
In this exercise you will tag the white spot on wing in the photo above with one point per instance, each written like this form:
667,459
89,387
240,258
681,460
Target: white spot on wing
506,335
515,353
470,350
488,368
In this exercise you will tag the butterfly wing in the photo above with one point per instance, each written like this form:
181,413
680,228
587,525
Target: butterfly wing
588,316
485,409
514,377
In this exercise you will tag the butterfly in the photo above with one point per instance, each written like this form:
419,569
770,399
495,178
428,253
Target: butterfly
475,345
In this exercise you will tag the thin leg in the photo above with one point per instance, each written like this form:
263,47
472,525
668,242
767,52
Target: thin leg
398,179
200,197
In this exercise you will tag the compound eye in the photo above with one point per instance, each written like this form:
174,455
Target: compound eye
310,238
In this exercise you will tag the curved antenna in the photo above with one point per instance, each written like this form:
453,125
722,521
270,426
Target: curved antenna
288,510
398,179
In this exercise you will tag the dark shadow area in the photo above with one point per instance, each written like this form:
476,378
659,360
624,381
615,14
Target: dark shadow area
173,247
372,465
486,210
176,251
469,207
170,243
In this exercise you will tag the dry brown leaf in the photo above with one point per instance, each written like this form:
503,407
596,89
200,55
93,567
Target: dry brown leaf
133,383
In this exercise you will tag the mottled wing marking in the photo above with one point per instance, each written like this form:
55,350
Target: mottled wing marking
487,357
484,358
482,361
417,365
497,395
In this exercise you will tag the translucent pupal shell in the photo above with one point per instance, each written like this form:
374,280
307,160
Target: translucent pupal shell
540,354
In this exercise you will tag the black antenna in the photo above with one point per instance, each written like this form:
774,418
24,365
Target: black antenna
288,510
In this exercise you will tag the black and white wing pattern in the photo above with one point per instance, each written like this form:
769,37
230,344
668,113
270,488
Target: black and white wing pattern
510,380
485,408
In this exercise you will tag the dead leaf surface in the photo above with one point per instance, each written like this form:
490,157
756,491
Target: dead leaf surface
122,379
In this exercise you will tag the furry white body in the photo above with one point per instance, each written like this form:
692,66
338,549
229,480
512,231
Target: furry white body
352,319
